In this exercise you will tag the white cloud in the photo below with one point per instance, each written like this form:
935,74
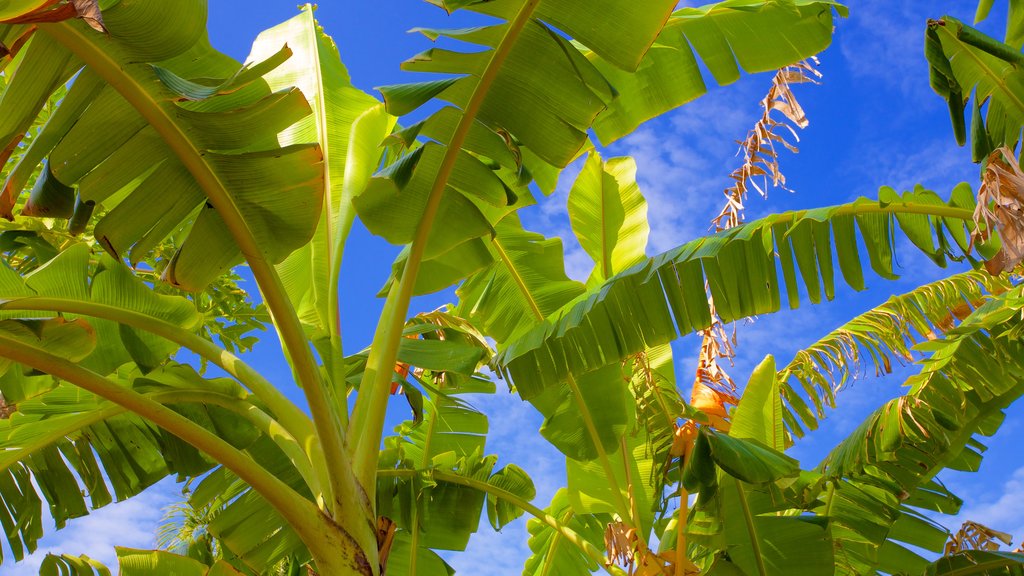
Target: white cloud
132,523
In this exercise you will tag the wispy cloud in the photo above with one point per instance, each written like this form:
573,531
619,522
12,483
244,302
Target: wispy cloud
684,161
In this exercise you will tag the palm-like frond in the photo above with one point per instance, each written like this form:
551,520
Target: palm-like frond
552,554
881,472
77,451
159,144
525,102
657,300
880,337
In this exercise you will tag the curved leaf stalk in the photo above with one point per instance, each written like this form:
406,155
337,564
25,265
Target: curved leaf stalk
258,418
335,546
586,547
342,492
290,416
371,403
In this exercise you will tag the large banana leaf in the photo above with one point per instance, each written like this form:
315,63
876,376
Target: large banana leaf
524,283
72,278
552,553
963,61
178,136
524,103
247,528
1014,20
743,510
609,215
726,37
132,562
445,428
350,126
884,470
436,512
72,565
78,452
978,563
881,336
663,297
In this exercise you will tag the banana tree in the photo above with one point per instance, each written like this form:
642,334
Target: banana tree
169,164
169,156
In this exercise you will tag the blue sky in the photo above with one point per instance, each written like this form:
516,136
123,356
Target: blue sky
874,122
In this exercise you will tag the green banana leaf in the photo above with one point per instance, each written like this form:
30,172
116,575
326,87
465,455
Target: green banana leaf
882,337
72,278
552,553
162,146
883,472
350,127
749,489
663,297
609,215
78,452
964,62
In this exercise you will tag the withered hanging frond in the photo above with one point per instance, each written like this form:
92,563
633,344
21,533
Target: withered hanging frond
713,388
974,536
760,157
1001,207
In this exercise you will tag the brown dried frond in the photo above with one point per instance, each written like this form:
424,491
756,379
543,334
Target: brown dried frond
760,164
1001,207
60,10
717,346
974,536
713,388
620,542
625,550
760,158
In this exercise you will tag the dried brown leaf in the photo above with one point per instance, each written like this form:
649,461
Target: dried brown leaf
89,10
1001,207
758,149
713,386
6,410
61,10
620,543
974,536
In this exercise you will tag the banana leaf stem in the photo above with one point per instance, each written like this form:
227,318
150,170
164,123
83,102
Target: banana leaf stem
371,403
158,111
